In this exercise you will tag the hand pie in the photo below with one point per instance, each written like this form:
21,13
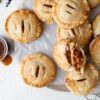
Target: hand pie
95,50
43,9
70,13
81,34
37,70
23,26
94,3
96,26
69,55
82,84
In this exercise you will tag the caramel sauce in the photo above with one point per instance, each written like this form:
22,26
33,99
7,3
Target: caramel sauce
7,60
4,49
1,49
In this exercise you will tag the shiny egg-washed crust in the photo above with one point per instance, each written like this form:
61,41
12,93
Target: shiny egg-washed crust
37,70
95,50
65,51
70,13
43,9
23,26
94,3
96,26
82,84
81,34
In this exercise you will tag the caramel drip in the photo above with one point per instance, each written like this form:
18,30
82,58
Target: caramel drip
7,60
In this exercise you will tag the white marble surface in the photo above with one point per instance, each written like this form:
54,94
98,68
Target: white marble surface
12,87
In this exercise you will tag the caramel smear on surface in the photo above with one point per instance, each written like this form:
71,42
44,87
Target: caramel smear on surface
7,61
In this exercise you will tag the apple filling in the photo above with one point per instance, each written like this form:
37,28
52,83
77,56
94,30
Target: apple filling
74,57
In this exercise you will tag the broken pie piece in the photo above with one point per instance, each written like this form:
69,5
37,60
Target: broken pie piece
96,26
94,3
43,9
37,70
81,34
23,26
95,50
69,55
70,13
82,84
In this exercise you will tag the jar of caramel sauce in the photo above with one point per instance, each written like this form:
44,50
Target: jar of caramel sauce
4,48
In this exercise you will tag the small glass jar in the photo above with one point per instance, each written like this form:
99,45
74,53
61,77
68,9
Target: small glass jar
3,48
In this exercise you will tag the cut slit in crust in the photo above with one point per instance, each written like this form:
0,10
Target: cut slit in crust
23,27
48,6
81,80
37,71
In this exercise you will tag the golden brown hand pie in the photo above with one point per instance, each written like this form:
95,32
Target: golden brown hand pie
23,26
43,9
70,13
94,3
69,55
81,34
82,84
37,70
96,26
95,50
